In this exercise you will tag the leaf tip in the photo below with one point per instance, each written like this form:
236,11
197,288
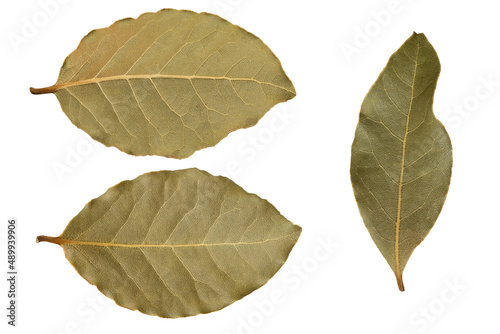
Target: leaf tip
419,36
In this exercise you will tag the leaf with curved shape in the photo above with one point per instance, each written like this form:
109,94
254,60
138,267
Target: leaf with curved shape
401,155
177,243
169,83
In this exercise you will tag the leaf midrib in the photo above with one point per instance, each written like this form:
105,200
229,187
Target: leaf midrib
56,87
400,186
61,241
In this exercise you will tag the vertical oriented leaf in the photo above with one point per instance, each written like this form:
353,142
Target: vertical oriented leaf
401,155
169,83
177,243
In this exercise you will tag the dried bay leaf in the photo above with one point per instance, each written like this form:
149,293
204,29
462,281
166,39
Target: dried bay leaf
169,83
401,155
177,243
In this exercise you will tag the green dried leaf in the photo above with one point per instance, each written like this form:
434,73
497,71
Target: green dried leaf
177,243
169,83
401,155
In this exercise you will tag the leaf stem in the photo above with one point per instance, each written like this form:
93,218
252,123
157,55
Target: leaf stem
54,240
45,90
399,278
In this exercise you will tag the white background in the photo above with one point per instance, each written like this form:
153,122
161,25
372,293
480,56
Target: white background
301,166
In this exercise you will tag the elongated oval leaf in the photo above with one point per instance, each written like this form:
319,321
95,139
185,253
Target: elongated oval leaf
178,243
401,155
169,83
